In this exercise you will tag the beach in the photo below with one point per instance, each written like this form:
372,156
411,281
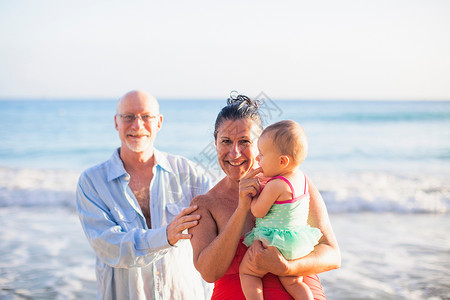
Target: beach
44,255
390,256
382,169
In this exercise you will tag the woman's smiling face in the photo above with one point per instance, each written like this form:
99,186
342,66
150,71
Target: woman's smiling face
236,147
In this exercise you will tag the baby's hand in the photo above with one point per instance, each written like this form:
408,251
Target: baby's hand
262,179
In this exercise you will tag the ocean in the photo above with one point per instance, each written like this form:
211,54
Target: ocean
382,167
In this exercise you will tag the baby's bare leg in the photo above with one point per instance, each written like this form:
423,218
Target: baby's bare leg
251,282
296,287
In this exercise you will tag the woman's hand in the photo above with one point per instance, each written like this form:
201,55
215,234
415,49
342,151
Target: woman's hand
249,187
267,259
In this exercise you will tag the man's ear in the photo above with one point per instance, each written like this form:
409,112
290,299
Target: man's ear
160,120
284,161
115,122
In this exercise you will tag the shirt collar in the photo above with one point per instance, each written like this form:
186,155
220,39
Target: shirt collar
116,168
162,160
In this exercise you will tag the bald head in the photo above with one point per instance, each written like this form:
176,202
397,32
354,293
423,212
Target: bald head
135,97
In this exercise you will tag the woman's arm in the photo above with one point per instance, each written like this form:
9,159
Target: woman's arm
214,244
326,255
213,252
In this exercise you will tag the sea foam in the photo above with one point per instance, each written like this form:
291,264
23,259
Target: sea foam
371,191
37,187
384,192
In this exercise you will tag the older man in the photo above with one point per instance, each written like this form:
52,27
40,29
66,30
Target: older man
134,209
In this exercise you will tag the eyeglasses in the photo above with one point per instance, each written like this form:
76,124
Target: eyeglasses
130,118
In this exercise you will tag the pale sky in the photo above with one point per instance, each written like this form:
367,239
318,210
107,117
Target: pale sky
329,49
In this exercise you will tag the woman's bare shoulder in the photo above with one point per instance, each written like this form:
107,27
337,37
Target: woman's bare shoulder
206,200
202,200
212,198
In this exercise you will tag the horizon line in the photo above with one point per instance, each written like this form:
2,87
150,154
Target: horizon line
217,99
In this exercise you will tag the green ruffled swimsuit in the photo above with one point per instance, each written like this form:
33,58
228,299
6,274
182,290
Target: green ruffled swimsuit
285,226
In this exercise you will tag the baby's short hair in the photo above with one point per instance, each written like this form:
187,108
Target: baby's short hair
290,138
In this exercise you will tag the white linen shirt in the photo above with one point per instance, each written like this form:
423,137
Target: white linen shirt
133,261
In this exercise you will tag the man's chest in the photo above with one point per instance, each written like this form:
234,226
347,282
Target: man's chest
141,191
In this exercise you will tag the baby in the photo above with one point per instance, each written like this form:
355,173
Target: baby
281,208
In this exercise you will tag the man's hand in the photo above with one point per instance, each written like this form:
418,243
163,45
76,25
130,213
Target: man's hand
267,259
181,222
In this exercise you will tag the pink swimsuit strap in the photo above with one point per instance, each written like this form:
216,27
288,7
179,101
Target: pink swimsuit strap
294,199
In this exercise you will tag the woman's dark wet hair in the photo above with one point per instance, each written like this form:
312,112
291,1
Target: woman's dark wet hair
238,107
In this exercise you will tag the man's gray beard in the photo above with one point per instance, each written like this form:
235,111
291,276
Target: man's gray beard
138,147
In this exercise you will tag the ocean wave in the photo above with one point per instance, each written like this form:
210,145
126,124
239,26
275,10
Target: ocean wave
37,187
377,191
368,191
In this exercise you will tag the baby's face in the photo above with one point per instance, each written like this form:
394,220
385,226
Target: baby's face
269,156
